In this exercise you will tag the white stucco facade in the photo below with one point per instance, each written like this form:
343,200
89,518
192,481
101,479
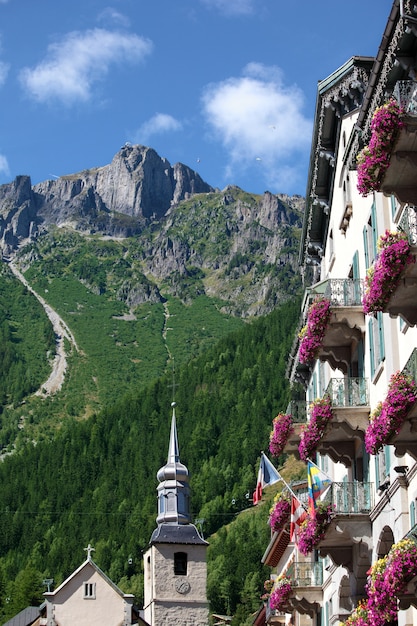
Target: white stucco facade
374,494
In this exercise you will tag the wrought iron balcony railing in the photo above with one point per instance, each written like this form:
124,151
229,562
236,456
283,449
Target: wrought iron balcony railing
344,291
348,392
348,498
405,93
273,613
298,411
306,574
408,223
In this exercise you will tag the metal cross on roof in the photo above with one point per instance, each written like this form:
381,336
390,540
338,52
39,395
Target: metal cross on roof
89,549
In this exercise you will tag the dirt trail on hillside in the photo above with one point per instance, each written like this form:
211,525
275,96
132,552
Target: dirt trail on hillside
62,331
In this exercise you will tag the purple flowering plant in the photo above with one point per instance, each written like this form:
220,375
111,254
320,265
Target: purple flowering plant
281,593
374,159
280,513
282,427
389,415
382,278
387,579
312,335
313,431
313,529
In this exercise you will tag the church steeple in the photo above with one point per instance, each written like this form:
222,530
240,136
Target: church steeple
173,488
175,564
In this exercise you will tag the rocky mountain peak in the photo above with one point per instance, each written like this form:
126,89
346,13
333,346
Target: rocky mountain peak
137,184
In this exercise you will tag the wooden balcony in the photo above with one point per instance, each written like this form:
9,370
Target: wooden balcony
307,579
348,540
403,302
406,439
343,437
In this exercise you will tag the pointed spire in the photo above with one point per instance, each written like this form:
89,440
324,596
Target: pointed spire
173,451
173,488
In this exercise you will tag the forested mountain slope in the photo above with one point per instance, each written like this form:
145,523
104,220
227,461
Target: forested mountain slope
96,482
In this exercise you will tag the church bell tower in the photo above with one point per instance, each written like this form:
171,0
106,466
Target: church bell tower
175,562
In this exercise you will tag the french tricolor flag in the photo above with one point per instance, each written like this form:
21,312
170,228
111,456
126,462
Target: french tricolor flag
267,475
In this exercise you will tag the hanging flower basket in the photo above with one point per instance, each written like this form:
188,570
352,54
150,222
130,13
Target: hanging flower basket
282,427
280,513
281,593
387,579
374,159
313,530
389,415
313,431
312,334
382,278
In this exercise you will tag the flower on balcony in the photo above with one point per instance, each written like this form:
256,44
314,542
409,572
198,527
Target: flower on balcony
280,594
359,616
312,432
387,579
268,584
312,335
374,159
382,278
282,427
313,529
389,415
280,513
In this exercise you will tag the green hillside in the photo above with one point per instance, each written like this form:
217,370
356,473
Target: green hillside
96,481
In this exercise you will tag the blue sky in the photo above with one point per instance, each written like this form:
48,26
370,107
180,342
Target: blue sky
227,87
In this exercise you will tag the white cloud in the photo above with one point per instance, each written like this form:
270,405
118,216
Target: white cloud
232,7
79,60
159,123
259,119
4,166
112,16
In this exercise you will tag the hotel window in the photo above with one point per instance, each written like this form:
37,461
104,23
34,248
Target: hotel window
370,237
412,514
376,342
89,591
382,466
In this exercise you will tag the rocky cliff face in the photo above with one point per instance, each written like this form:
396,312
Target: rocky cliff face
117,199
190,239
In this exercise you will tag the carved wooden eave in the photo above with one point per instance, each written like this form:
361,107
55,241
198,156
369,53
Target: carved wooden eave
348,542
340,93
306,600
342,432
403,301
291,447
406,439
276,547
343,333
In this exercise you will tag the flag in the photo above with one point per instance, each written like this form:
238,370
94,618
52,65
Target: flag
298,515
318,482
267,475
